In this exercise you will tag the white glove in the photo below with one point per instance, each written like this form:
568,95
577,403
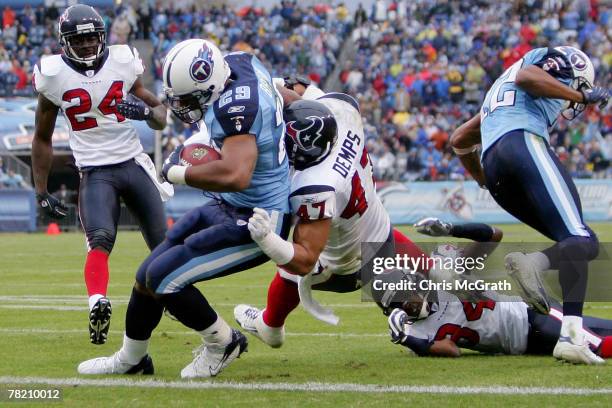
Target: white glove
259,224
397,321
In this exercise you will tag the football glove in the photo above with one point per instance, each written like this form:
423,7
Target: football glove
595,96
136,110
52,206
259,224
397,320
293,80
433,227
173,160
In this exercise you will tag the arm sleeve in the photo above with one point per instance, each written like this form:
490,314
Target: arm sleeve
419,346
239,117
313,203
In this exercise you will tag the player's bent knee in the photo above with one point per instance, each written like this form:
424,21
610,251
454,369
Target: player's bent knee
581,248
101,239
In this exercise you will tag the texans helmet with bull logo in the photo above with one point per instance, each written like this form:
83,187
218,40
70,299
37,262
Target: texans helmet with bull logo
311,132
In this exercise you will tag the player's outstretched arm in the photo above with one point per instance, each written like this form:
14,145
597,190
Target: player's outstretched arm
465,140
537,82
42,156
150,109
232,172
299,257
444,348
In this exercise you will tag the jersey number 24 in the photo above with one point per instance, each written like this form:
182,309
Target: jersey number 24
108,106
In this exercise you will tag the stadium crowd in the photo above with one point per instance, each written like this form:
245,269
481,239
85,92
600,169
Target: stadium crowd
420,67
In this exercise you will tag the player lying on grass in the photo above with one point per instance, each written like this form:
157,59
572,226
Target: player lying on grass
526,178
438,323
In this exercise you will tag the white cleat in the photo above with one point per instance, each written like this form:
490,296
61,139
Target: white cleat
211,359
112,365
251,320
575,353
433,227
528,282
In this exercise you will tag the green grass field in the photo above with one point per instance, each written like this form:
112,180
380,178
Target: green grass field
43,336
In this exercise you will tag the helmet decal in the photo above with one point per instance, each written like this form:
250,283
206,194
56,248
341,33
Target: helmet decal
202,65
578,62
305,137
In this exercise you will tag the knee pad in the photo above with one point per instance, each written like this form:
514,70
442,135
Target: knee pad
579,248
101,238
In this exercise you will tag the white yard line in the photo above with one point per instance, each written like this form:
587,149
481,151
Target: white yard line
25,331
307,387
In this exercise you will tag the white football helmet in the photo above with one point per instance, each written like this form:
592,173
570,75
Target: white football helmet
584,77
194,76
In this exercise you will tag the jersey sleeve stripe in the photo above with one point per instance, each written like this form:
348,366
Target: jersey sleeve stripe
343,97
311,190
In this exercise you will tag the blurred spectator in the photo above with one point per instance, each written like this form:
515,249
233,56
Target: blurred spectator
65,196
13,180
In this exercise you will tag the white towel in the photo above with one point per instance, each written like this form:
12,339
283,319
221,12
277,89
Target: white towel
312,306
166,191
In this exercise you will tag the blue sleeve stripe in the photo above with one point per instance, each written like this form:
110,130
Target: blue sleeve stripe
311,190
343,97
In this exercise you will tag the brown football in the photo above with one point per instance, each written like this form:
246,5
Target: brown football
197,153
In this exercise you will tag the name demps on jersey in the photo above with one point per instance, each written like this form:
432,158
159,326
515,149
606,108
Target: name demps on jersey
99,135
341,188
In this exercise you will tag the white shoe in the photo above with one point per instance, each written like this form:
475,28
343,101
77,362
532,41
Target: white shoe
112,365
251,319
210,359
528,282
575,353
433,227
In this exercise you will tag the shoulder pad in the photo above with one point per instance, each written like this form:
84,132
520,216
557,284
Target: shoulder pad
314,202
341,97
51,65
121,53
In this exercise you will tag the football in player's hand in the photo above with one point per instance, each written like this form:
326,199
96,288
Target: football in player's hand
197,153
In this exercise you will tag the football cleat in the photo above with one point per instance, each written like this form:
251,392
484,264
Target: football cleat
112,365
433,227
528,282
251,319
575,353
99,321
210,359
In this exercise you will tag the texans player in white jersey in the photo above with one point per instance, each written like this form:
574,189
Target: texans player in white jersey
88,83
438,323
334,200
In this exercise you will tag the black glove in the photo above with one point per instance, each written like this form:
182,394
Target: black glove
136,110
596,95
173,160
293,80
52,206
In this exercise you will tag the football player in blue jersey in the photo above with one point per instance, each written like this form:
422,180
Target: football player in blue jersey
526,178
235,97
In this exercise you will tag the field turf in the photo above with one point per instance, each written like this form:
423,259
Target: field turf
43,337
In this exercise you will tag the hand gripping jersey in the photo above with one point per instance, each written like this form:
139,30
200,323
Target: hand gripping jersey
99,135
493,327
250,104
341,188
507,107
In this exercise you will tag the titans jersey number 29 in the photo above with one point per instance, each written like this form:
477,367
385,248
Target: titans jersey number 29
250,104
507,107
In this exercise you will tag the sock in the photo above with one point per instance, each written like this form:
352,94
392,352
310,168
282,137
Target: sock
96,273
132,351
571,326
283,297
540,260
191,308
475,231
605,348
219,333
405,246
142,316
93,299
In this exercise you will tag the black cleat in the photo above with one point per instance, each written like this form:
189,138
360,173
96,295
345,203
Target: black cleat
99,321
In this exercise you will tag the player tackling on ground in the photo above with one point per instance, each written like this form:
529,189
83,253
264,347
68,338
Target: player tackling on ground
526,178
88,83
